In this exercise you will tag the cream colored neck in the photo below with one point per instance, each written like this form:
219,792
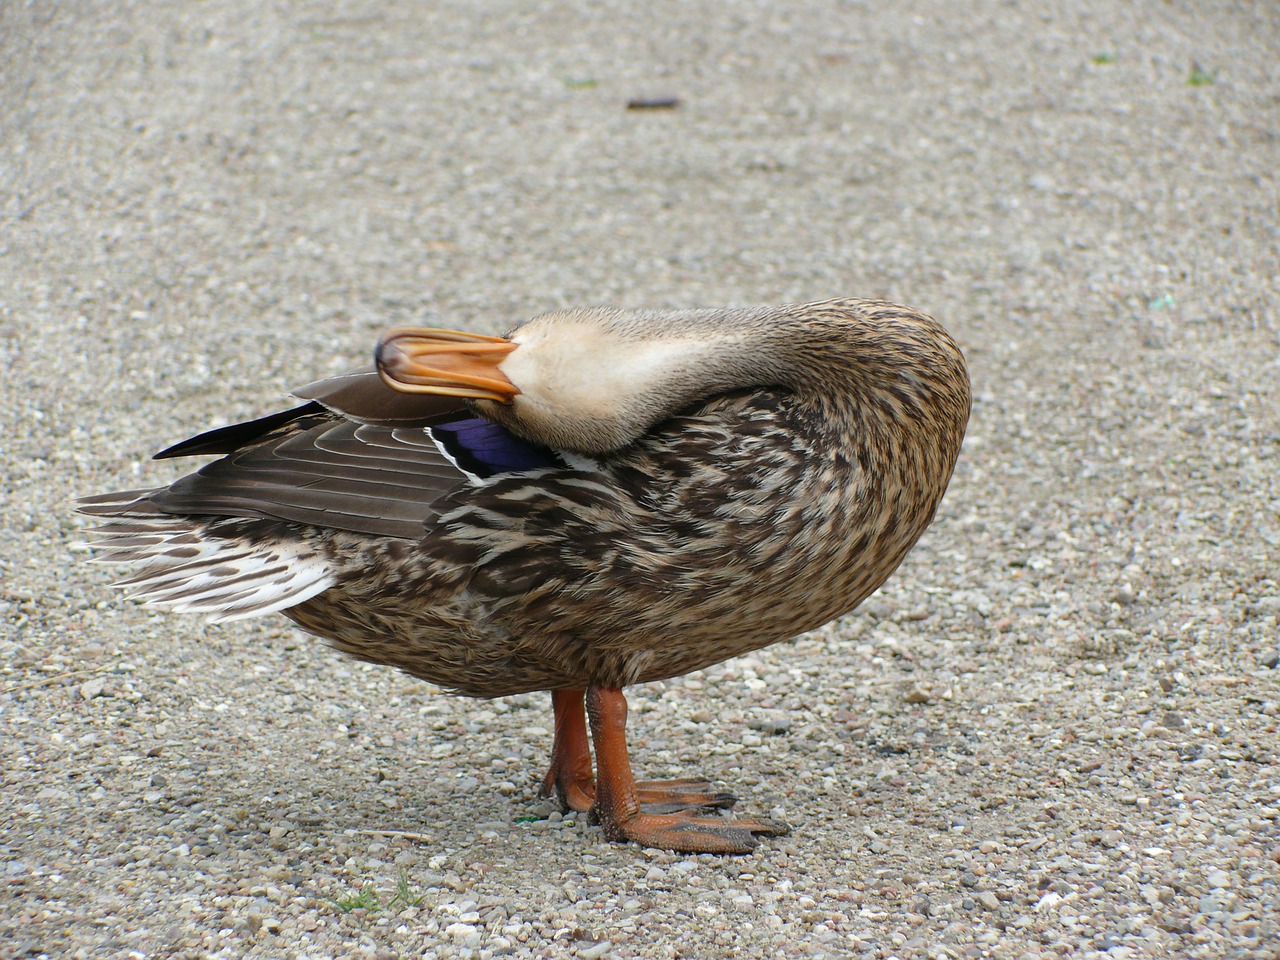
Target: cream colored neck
594,380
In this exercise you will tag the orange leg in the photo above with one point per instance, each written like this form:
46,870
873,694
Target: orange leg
617,803
569,776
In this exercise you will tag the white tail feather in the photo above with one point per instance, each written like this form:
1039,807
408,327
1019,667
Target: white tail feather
184,565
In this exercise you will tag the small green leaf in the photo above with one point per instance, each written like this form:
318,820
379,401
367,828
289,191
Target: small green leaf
404,893
366,899
1103,57
1200,78
580,83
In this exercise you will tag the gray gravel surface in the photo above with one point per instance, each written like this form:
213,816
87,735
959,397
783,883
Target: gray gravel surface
1054,733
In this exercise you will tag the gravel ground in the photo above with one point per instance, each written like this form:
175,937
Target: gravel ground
1054,733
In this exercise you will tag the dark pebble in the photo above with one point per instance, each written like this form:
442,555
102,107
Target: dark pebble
653,103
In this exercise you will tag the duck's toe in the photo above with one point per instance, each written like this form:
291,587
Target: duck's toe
574,792
684,794
686,834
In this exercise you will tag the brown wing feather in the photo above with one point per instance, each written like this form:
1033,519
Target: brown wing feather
374,472
361,395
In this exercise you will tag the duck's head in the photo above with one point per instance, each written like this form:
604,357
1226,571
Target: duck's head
584,380
595,380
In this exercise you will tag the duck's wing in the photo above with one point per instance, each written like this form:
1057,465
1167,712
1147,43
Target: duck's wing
350,459
358,395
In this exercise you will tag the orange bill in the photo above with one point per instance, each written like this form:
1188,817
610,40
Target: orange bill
446,362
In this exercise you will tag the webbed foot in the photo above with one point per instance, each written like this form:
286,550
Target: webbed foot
619,801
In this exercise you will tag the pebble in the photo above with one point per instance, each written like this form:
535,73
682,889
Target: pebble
988,900
464,933
1218,878
1048,901
774,725
93,688
917,694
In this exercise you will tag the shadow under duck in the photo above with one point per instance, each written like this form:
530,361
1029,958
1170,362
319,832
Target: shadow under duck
601,498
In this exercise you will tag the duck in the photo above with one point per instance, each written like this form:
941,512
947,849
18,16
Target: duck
600,498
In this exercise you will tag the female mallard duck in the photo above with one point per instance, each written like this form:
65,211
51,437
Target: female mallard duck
601,498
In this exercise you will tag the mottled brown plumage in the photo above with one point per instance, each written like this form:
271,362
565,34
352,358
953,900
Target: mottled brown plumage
694,485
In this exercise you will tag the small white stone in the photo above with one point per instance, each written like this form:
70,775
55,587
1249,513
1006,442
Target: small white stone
461,932
1049,901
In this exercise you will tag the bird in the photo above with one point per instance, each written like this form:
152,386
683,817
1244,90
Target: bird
600,498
